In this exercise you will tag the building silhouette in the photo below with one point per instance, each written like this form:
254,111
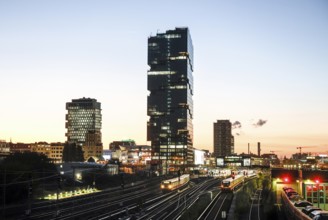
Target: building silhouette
223,139
170,103
83,124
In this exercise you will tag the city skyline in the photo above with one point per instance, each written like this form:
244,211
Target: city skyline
263,65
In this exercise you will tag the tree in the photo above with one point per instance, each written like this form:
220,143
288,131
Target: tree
79,154
22,174
72,153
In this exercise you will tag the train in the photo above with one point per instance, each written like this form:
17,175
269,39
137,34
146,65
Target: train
172,184
228,185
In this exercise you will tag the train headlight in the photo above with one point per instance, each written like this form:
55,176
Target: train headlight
162,186
170,186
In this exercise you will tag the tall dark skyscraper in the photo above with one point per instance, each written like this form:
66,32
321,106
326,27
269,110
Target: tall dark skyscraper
223,139
170,104
83,122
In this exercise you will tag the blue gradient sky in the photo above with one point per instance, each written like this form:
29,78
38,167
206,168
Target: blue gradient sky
253,60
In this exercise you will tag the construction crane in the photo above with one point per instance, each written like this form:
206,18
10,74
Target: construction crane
301,149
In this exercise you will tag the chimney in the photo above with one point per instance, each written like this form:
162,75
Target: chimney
248,148
258,149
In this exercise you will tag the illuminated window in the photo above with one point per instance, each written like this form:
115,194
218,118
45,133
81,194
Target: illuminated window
173,36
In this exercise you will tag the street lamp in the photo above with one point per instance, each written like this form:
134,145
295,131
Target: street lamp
317,181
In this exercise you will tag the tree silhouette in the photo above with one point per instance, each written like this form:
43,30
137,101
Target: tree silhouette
72,153
22,172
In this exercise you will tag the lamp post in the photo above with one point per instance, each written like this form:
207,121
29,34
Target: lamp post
318,192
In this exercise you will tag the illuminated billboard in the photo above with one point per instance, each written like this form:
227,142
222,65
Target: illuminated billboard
199,157
220,162
247,162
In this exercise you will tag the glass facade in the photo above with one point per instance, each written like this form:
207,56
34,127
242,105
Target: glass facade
170,103
83,122
317,193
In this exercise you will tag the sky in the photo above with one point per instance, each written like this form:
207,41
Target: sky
254,61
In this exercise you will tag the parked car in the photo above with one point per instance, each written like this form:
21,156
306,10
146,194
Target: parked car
290,190
295,198
289,194
302,204
319,215
323,215
308,209
286,188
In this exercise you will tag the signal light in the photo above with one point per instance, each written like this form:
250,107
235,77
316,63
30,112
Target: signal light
286,179
317,181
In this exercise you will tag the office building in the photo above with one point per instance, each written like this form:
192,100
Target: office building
170,103
223,139
83,124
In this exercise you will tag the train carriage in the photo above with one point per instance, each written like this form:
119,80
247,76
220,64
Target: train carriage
231,183
172,184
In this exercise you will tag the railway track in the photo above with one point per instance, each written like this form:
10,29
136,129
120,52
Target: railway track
219,204
89,203
173,207
255,209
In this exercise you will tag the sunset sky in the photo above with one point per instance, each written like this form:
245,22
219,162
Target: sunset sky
254,60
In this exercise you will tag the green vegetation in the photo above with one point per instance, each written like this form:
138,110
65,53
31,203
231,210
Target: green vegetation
22,174
268,201
243,197
242,201
72,153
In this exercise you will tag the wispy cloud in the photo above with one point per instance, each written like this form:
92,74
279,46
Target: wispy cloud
236,124
259,123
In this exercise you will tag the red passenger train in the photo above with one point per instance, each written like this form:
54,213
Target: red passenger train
172,184
228,185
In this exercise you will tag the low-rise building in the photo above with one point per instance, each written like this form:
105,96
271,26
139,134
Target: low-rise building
115,145
19,147
127,152
4,149
90,151
56,152
41,148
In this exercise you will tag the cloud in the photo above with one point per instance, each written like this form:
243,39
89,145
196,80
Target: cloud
236,124
259,123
